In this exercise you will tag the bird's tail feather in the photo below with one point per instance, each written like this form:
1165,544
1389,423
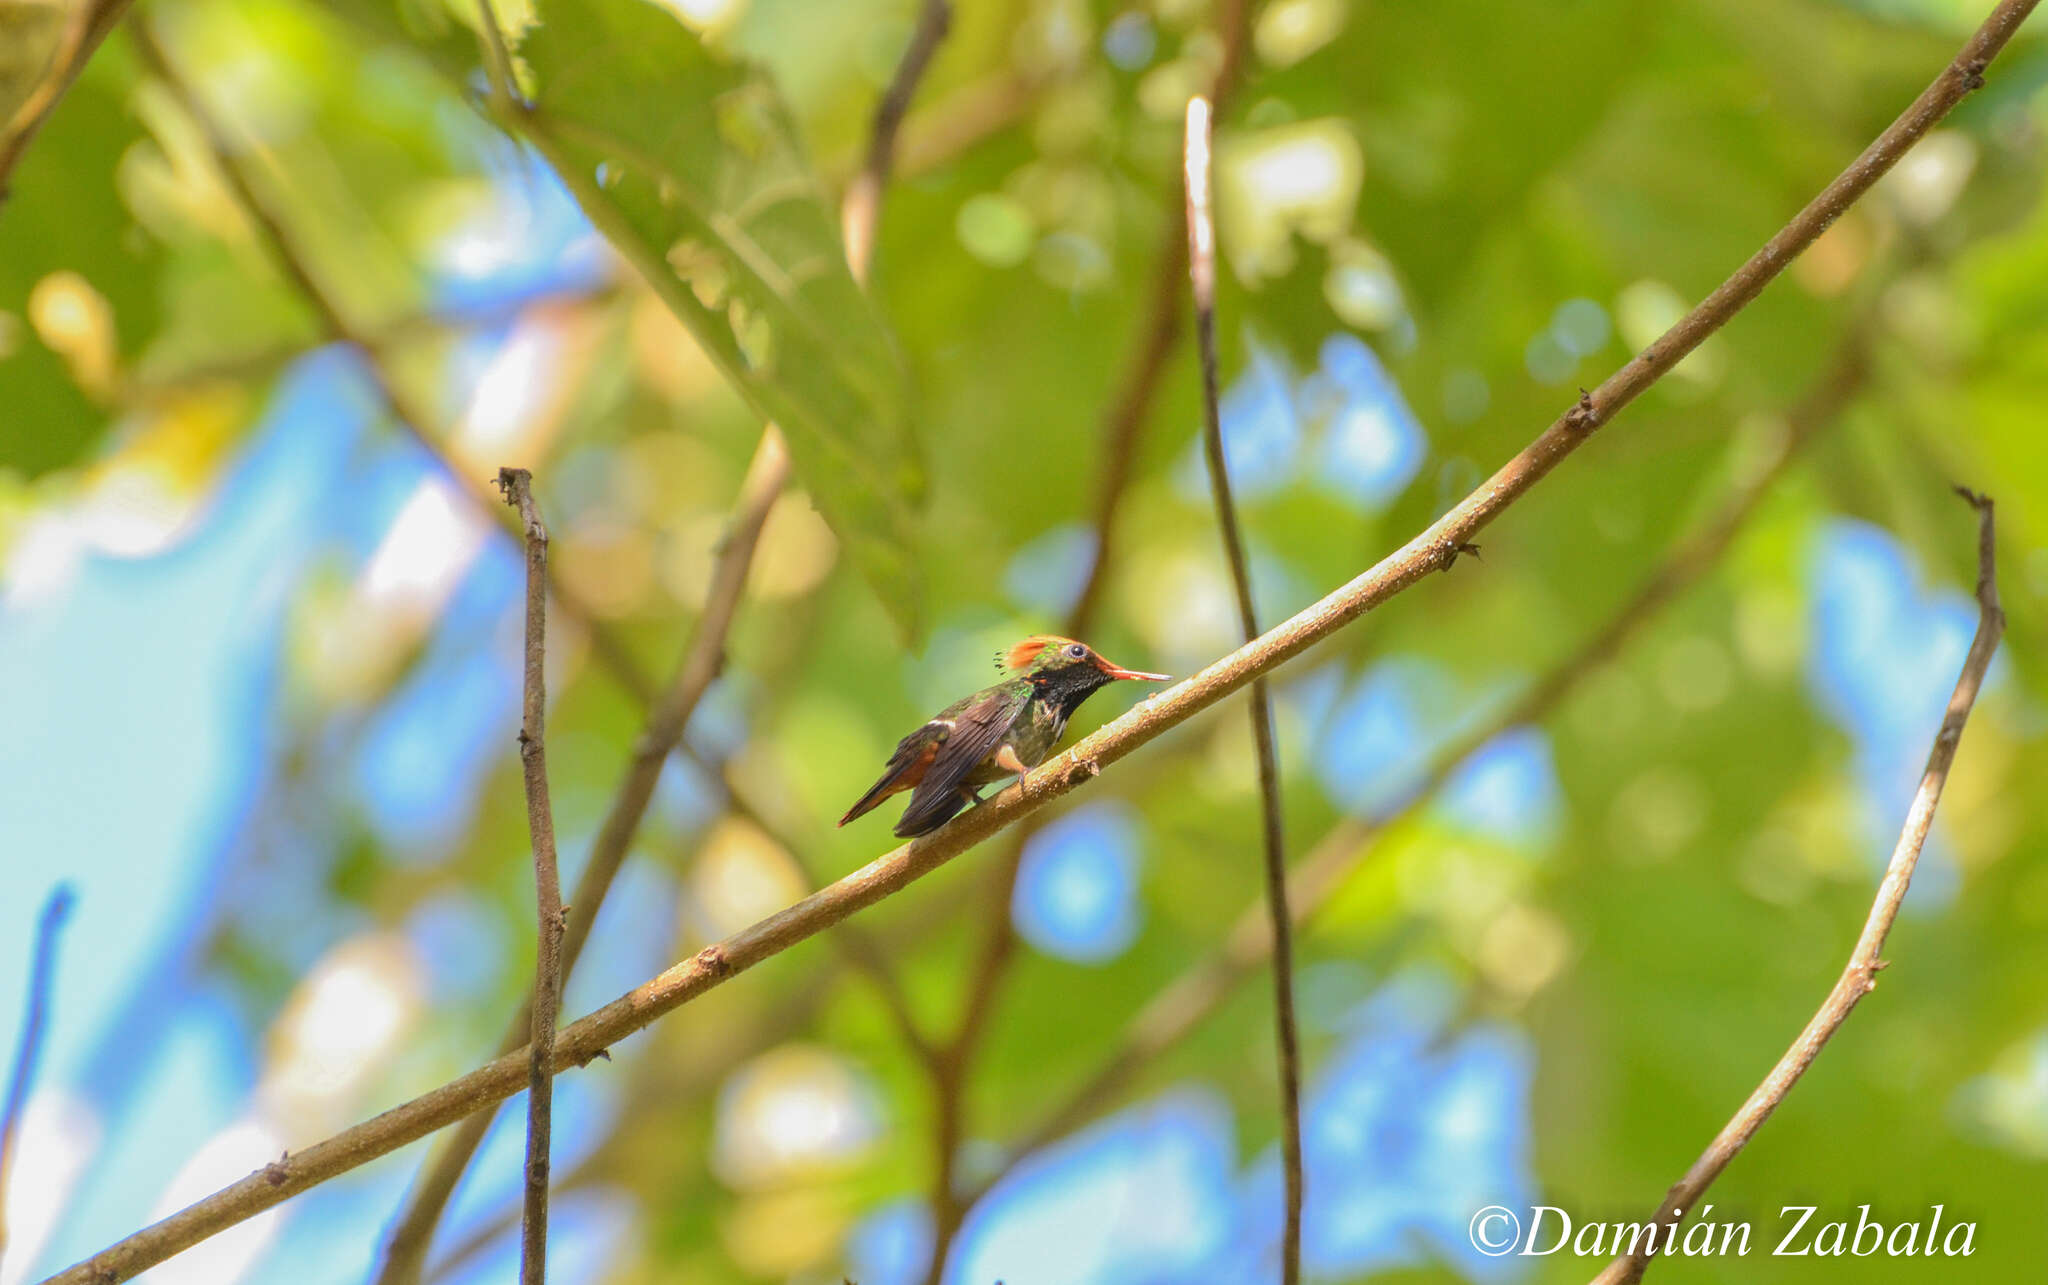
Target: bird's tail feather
872,799
928,810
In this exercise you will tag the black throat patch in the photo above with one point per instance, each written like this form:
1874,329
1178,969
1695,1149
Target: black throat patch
1065,688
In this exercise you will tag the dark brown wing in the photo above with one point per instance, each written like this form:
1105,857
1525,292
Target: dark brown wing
907,766
978,728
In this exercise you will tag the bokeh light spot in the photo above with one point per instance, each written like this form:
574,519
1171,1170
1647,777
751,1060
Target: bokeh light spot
799,1111
1506,790
1290,30
1076,896
1129,40
996,229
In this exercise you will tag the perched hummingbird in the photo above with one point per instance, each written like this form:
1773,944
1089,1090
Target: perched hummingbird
1004,730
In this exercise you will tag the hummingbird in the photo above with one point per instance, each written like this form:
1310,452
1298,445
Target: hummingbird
1004,730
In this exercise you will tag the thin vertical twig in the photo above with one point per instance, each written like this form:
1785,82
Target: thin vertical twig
411,1238
1859,976
35,1020
1424,554
671,706
861,207
1160,336
405,1251
1202,276
517,484
412,1233
1124,420
1179,1007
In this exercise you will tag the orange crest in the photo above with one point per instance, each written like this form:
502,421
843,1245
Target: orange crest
1020,656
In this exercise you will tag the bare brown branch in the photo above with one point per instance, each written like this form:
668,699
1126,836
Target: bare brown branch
1413,562
517,484
964,119
388,334
335,325
35,1020
1287,1041
1189,1000
405,1252
703,656
497,56
1126,418
860,209
1859,976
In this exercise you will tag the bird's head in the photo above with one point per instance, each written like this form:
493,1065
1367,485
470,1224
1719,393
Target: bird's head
1048,656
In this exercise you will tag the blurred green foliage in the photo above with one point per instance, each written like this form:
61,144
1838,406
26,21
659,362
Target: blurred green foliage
1709,869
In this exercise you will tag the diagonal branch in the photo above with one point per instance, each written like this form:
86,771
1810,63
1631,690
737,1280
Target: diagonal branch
1126,417
393,333
1859,976
413,1232
703,657
671,709
498,71
290,260
1160,337
1185,1003
517,484
1287,1041
671,1087
1429,551
861,208
90,22
42,981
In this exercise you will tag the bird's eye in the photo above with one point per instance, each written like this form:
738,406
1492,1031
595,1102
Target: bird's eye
1077,651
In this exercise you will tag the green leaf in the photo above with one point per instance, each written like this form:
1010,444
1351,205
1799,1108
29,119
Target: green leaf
692,167
66,216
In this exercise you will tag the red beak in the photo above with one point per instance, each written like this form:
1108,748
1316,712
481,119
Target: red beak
1118,671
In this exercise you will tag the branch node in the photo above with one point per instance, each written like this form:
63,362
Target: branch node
1449,550
712,960
516,485
278,1172
1987,581
1973,75
1584,416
